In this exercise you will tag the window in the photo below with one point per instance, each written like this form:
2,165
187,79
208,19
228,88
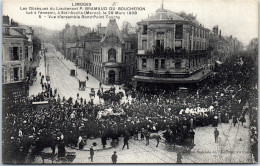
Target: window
156,63
144,29
21,73
178,44
177,65
21,53
16,73
112,55
163,63
160,40
26,53
14,53
143,63
5,75
11,74
144,44
179,32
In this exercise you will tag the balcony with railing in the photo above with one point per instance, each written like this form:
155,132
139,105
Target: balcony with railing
168,52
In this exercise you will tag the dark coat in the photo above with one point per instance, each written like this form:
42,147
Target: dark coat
114,157
91,152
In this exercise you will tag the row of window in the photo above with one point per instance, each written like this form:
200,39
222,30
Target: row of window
16,53
193,62
200,33
178,45
160,35
156,63
16,74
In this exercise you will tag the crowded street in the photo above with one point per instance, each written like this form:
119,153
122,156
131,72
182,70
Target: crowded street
233,143
134,82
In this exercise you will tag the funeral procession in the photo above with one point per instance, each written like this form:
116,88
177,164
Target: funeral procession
140,82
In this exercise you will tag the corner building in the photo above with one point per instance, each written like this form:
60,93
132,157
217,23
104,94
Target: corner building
172,50
109,55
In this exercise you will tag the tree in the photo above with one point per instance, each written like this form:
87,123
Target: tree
189,16
127,28
36,45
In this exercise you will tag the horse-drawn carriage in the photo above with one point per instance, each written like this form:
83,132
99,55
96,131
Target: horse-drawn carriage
68,158
183,140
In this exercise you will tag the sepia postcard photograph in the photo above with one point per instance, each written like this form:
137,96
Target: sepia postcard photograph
129,82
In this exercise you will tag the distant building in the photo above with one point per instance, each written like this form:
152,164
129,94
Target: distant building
71,34
171,49
223,47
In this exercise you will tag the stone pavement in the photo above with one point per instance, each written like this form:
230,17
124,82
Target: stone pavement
233,147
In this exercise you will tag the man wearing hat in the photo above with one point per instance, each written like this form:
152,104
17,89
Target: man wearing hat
114,158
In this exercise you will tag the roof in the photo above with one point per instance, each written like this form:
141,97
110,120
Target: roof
113,30
15,32
102,30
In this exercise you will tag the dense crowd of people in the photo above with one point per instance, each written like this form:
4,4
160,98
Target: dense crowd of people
28,129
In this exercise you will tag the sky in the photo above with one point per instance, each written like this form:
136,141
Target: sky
238,18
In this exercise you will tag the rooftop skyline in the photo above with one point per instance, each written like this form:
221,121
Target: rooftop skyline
238,18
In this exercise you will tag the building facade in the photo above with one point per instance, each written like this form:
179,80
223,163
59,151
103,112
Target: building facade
15,60
171,49
109,55
222,46
106,53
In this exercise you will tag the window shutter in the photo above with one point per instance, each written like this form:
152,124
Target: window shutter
21,53
11,52
21,73
11,74
5,73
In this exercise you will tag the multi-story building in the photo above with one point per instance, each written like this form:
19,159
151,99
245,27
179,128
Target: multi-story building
71,34
109,55
222,47
171,49
15,60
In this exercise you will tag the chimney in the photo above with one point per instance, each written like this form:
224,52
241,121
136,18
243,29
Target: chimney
6,20
220,33
215,30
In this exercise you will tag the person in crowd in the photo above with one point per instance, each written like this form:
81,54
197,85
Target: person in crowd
126,139
234,120
172,114
192,136
147,137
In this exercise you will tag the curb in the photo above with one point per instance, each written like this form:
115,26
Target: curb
110,147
